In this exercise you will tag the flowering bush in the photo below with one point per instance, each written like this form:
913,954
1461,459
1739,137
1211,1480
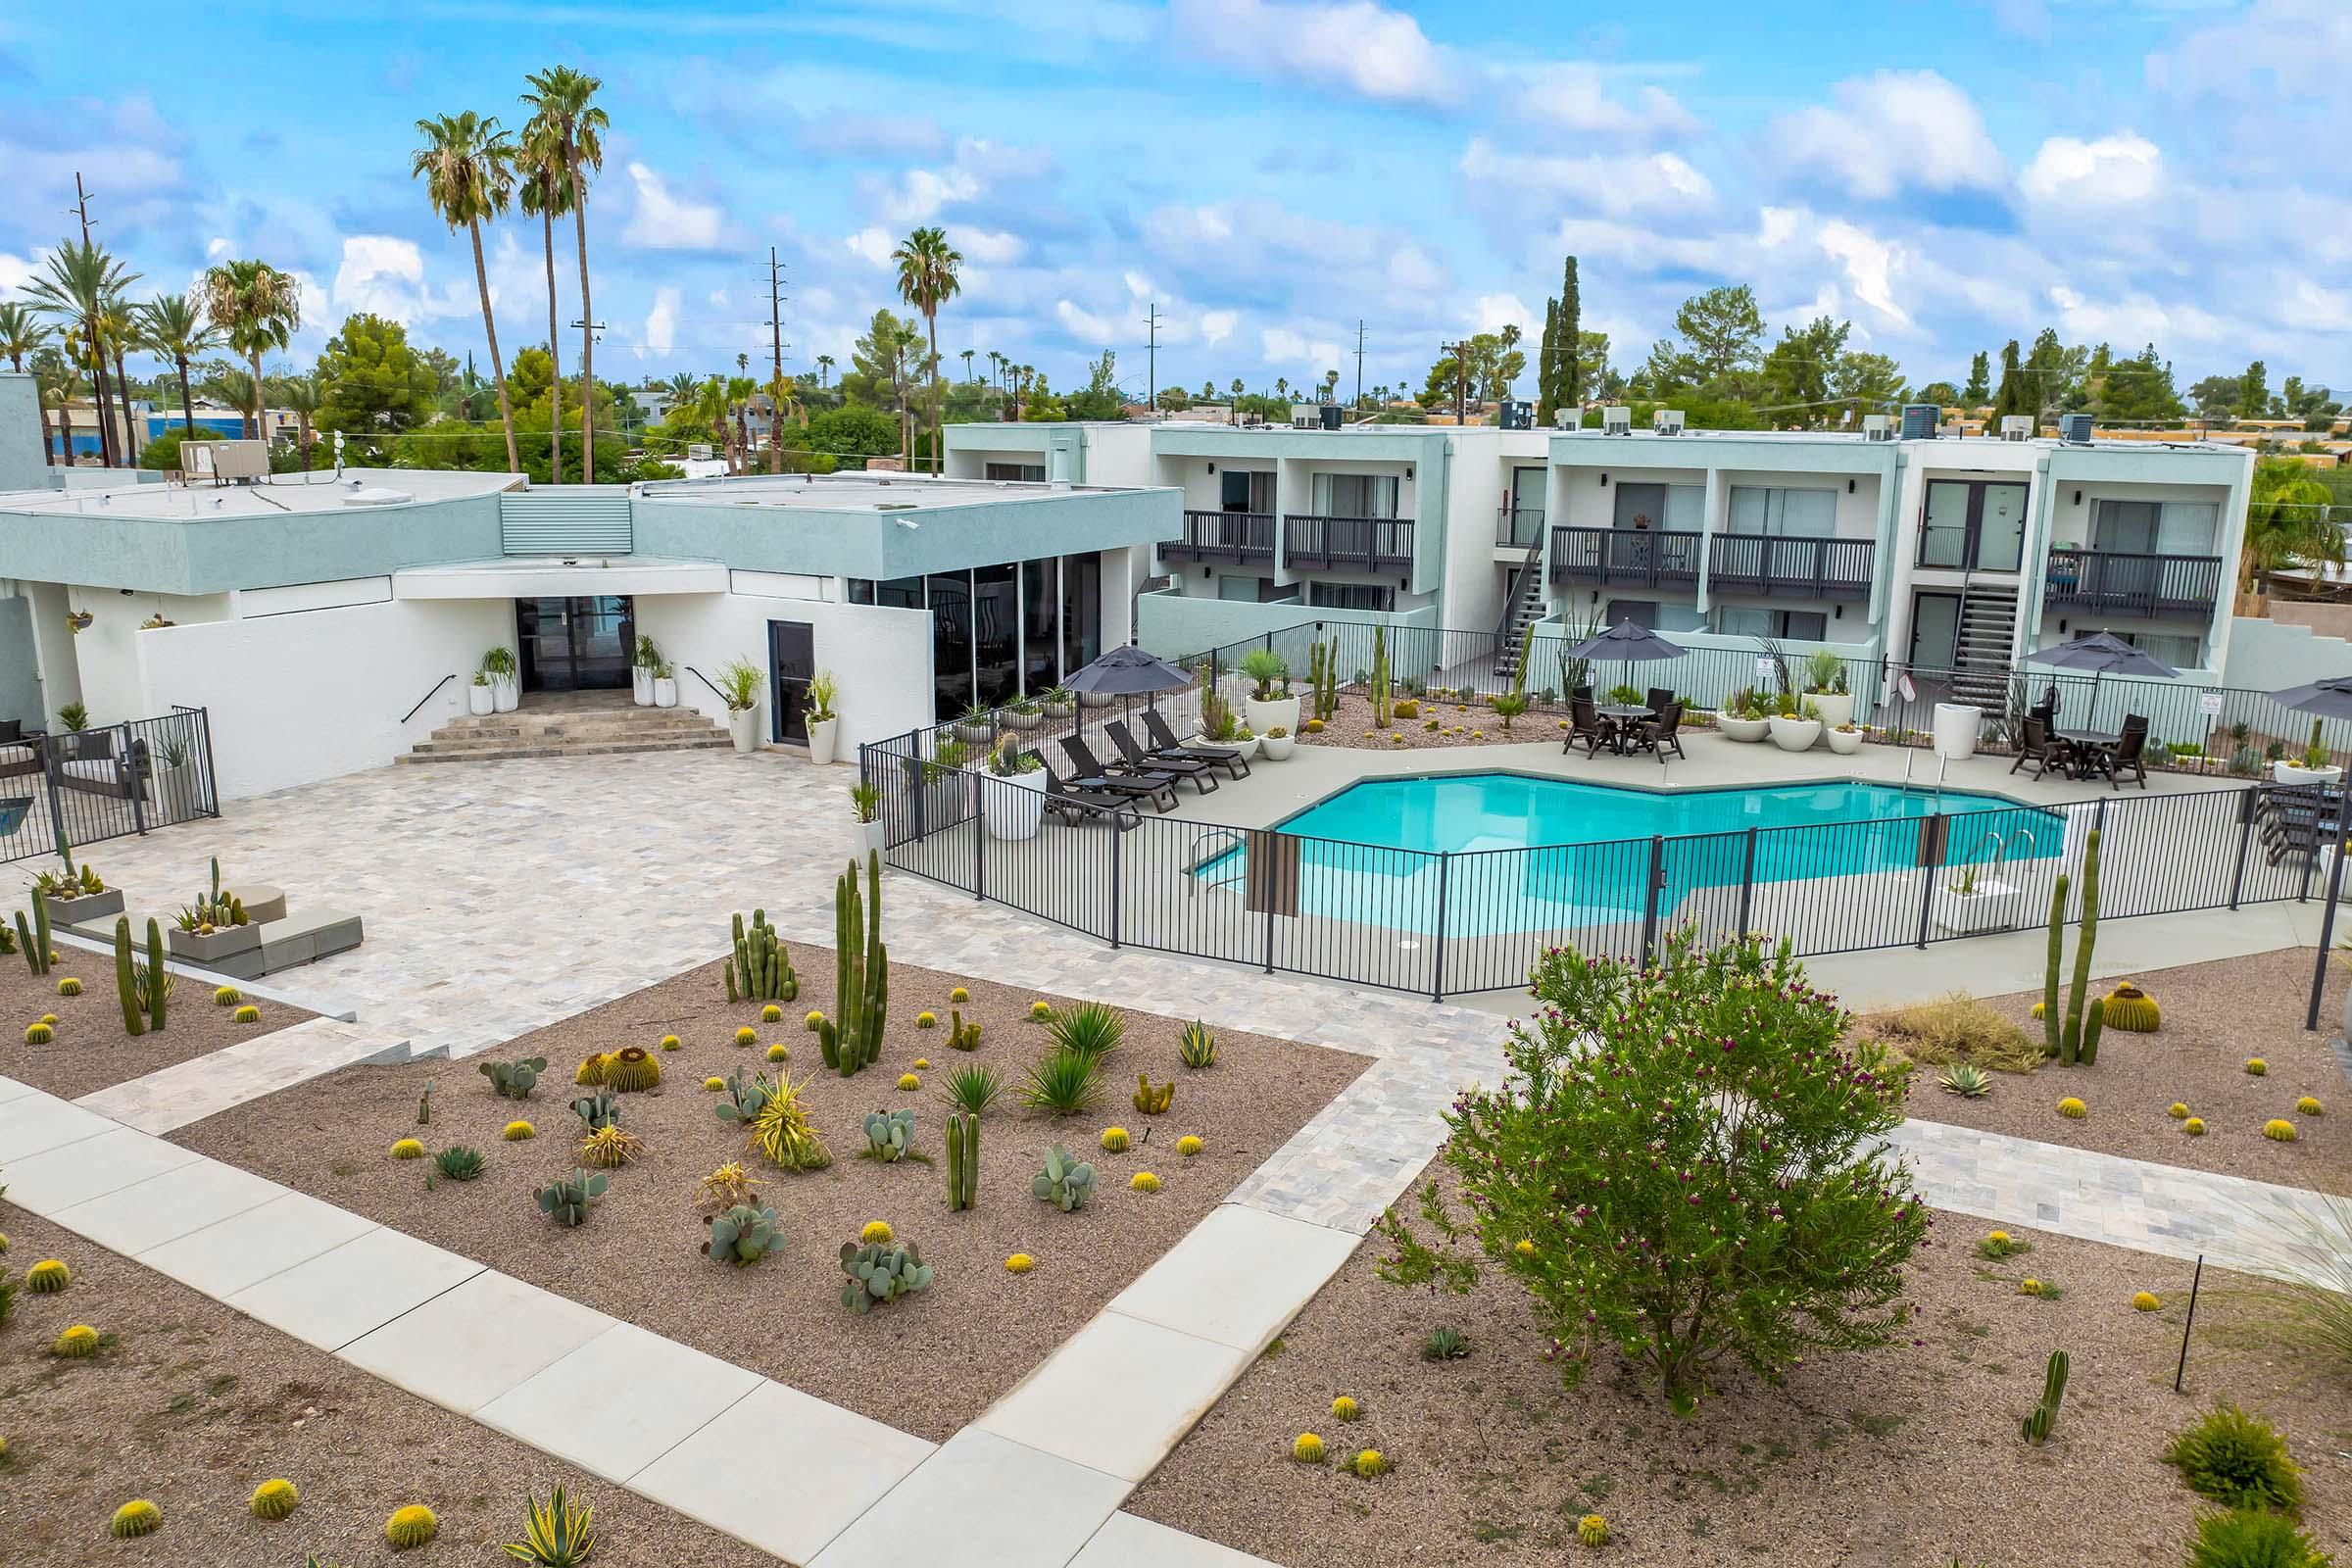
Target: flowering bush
1697,1161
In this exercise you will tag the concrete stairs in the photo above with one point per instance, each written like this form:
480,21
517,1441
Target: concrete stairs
1986,646
1528,605
569,728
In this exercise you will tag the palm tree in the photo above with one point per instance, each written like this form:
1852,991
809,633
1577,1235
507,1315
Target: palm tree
176,330
1282,387
561,99
824,367
20,334
710,409
301,395
927,279
543,189
118,331
82,280
966,357
255,307
465,165
2286,523
995,369
53,381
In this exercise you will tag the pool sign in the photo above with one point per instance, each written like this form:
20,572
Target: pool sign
1763,667
2211,703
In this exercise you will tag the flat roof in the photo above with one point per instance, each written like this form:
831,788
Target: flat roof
1859,438
358,490
863,492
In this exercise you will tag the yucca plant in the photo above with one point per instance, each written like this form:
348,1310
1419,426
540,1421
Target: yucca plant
974,1089
1966,1081
1063,1083
1091,1029
559,1534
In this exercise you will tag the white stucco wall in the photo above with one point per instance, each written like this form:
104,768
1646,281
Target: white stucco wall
881,657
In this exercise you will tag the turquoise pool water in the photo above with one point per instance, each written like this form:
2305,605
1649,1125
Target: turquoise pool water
1527,854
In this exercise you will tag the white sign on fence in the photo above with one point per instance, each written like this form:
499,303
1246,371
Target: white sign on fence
2211,703
1763,667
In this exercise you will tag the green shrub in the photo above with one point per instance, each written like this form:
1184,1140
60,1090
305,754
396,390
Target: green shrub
2238,1460
1694,1164
1064,1083
2248,1538
1958,1028
1091,1029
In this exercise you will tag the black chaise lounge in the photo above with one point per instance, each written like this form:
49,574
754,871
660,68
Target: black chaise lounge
1199,770
1165,744
1069,802
1094,779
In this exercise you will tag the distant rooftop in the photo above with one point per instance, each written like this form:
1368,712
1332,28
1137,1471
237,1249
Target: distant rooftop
356,490
855,492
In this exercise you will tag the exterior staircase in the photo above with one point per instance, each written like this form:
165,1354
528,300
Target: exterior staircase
569,725
1526,607
1986,646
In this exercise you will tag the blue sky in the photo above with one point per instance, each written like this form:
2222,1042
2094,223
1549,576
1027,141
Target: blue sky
1269,171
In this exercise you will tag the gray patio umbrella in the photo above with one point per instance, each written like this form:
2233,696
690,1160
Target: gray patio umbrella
2321,699
1127,671
1629,643
2103,653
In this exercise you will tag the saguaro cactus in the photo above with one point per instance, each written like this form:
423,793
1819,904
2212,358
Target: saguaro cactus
1381,705
127,985
963,1159
2084,941
2052,1025
760,969
1323,676
2053,1393
158,979
860,974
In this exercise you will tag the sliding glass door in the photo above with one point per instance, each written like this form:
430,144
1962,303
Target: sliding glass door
572,645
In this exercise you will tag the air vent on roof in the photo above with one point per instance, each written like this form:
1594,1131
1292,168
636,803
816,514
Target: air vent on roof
377,496
1516,415
1878,427
2074,428
1330,415
1667,421
1616,419
1567,418
1920,420
2016,427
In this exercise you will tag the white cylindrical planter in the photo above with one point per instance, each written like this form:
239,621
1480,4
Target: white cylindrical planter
1845,742
1835,708
1016,803
665,691
1275,713
870,837
504,695
1956,727
641,685
820,739
1274,748
478,699
744,728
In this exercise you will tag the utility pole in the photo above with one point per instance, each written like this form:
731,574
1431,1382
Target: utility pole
1151,359
587,404
775,343
1462,370
1359,363
98,399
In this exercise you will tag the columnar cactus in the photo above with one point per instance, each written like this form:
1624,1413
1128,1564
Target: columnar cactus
157,988
963,1159
35,939
760,969
2036,1427
2074,1047
1382,705
127,991
860,974
2052,1024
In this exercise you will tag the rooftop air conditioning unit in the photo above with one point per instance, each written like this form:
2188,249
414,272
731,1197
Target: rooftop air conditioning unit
1920,420
1567,418
1616,419
1330,412
1515,415
2074,428
1878,427
698,452
1303,419
1667,421
2016,427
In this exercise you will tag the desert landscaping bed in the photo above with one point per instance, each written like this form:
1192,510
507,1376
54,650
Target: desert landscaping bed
1457,724
2215,1016
190,1406
90,1049
1908,1456
928,1364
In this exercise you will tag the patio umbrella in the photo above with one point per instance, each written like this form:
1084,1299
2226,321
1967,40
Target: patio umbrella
1629,643
2103,653
2321,699
1127,671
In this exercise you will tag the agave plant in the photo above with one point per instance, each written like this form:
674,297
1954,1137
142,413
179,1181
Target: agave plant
974,1089
1444,1345
1091,1029
1966,1081
1064,1083
560,1533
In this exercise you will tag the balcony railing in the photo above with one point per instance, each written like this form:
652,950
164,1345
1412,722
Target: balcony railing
1809,569
2115,583
1238,537
1518,527
1648,557
1347,544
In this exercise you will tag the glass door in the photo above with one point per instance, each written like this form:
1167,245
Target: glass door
791,662
1943,536
571,645
2000,526
1527,506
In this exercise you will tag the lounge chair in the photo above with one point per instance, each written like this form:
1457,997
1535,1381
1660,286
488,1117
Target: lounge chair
1661,734
1199,770
1165,744
2046,750
1586,724
1069,802
1094,779
2129,755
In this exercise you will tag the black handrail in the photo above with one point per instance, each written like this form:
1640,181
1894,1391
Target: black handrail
706,680
427,696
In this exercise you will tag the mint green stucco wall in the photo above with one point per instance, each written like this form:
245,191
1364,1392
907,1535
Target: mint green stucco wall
1174,626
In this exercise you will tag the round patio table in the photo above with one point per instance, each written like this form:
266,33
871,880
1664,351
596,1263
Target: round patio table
1623,713
2086,741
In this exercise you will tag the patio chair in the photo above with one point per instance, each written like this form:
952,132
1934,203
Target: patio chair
1094,779
1586,724
1072,804
1661,734
1165,744
2126,755
1660,698
1199,770
2046,750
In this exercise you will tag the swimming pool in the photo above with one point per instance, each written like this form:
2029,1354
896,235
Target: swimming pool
1483,854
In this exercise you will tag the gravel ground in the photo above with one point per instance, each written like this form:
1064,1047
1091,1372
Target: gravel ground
91,1051
1907,1456
2215,1015
191,1405
928,1363
1469,724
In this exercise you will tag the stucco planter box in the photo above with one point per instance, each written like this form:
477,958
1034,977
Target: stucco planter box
223,941
504,695
480,699
1793,734
1957,726
870,837
743,727
1991,906
1736,728
2296,773
665,691
1015,803
641,685
90,906
821,732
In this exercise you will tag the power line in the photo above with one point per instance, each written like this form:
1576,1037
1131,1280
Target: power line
1151,357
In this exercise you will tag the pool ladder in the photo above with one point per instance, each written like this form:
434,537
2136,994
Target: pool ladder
1194,859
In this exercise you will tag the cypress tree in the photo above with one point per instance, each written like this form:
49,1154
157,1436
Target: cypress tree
2013,397
1570,379
1546,378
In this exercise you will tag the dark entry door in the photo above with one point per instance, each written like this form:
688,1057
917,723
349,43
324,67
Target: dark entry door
791,657
574,645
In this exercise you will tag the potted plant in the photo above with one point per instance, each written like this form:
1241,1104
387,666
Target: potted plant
499,664
1244,742
1269,703
1971,900
1796,728
76,893
739,688
1026,713
479,697
823,723
1741,717
1845,739
665,684
975,727
642,664
1060,702
947,790
1015,793
1276,744
866,805
1825,686
2313,767
74,716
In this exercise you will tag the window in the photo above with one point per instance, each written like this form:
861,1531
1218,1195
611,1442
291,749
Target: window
1643,613
2154,527
2180,651
995,633
1244,590
951,642
1794,625
1081,611
1350,596
1355,495
1782,513
1040,602
1032,472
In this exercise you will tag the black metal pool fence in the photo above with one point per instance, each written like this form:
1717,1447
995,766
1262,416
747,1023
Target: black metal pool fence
89,785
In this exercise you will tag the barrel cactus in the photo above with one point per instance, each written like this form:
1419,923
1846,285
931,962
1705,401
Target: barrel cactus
410,1527
2194,1126
909,1082
39,1034
2256,1066
771,1013
1114,1140
1592,1530
2073,1109
876,1231
68,987
1345,1408
671,1043
2132,1010
407,1149
78,1343
880,1274
248,1014
1019,1264
2278,1130
1306,1448
272,1500
960,995
1370,1462
926,1020
632,1070
1143,1181
1040,1012
1188,1146
747,1036
135,1518
2145,1301
48,1277
515,1131
2179,1110
591,1071
226,996
2308,1106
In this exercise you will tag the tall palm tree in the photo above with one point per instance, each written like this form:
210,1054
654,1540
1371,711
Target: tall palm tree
2286,526
563,100
543,189
824,367
966,357
255,307
53,381
301,394
927,279
175,328
683,389
82,280
118,333
466,163
21,331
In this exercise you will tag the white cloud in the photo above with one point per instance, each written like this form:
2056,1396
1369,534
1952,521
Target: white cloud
2133,317
1573,95
1348,46
661,323
1085,325
1139,287
16,272
1870,264
987,247
871,246
1892,130
1616,185
1492,312
1217,325
384,275
664,222
2273,49
2122,169
1282,346
978,168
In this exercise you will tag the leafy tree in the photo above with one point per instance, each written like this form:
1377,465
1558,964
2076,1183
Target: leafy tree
1797,373
1871,383
1040,405
2052,376
22,332
1490,363
855,429
2286,527
467,165
1723,331
1560,376
881,364
2215,397
1684,1163
1100,400
2012,396
371,382
1940,393
2137,390
2253,391
1979,381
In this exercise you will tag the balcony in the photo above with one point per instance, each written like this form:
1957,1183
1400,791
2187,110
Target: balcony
1519,527
1798,567
1600,557
1347,544
1237,538
2113,582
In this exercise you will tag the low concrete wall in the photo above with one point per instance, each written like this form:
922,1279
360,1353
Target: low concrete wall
1173,625
2268,655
